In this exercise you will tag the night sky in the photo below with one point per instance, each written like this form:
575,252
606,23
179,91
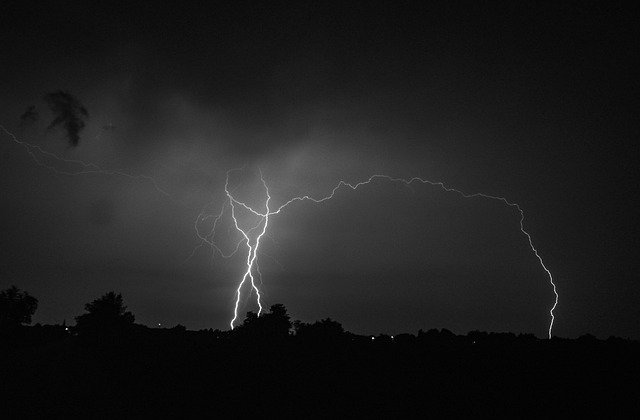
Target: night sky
534,102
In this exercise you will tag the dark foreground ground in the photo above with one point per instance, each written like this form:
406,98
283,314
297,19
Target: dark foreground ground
47,372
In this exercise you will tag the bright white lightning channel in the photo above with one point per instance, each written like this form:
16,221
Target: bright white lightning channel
254,245
39,155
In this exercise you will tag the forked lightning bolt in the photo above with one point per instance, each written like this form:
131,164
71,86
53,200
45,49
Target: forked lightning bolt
253,249
264,216
253,241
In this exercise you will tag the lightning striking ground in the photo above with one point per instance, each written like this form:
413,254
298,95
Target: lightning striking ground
38,155
253,250
264,217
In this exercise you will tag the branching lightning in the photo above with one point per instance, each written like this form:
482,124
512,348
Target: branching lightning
251,239
253,249
264,219
39,155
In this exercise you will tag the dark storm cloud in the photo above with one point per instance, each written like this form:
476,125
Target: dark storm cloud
29,116
69,113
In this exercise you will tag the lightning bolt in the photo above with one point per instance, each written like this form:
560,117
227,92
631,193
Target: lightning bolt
39,155
253,249
264,216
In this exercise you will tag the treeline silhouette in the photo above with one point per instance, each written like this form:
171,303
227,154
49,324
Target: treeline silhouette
106,365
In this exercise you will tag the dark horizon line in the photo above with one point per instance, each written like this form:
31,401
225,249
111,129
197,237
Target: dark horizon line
382,335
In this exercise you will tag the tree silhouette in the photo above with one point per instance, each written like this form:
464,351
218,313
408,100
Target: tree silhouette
278,320
272,325
323,331
16,308
106,315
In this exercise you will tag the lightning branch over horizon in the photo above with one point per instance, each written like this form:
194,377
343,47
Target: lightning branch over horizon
39,155
252,240
264,219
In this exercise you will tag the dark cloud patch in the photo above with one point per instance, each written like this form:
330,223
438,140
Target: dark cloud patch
29,116
69,113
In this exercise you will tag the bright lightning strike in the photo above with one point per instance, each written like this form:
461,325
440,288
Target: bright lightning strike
252,241
254,245
253,249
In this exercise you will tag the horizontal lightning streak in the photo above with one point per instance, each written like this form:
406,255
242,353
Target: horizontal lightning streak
92,168
87,168
408,182
447,189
